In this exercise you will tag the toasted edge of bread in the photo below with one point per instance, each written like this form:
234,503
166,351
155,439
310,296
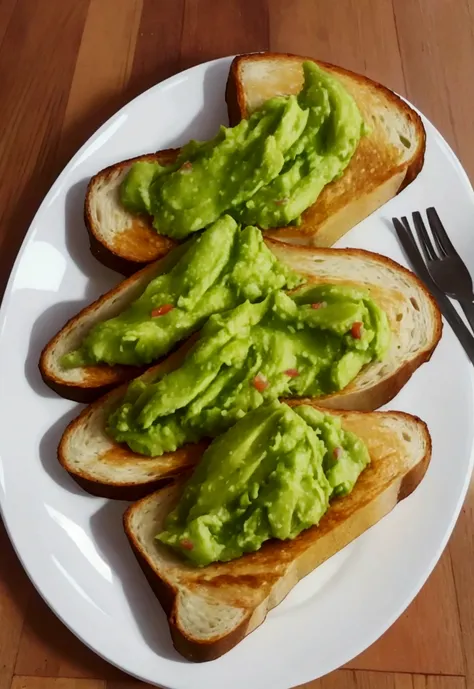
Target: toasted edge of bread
107,469
136,230
88,453
86,383
124,242
211,609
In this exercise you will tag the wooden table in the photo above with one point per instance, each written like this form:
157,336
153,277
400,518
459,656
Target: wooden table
66,66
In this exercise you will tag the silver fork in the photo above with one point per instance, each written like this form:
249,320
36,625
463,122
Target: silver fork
445,266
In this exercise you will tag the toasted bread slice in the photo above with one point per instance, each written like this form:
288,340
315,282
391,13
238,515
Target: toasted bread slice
211,609
386,160
103,467
395,289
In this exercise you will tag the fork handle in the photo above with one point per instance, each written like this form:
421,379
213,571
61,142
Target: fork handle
468,308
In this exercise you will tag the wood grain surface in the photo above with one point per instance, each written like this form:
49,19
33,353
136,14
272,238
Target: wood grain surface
65,67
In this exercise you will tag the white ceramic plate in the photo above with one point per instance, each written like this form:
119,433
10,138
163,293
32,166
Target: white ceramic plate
72,545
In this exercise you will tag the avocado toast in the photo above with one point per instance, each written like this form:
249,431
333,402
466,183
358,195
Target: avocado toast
387,158
396,290
211,608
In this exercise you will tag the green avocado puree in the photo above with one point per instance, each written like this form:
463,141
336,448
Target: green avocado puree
265,171
312,343
270,476
213,272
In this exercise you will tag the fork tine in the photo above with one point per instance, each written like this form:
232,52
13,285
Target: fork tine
407,238
439,233
408,231
405,222
425,241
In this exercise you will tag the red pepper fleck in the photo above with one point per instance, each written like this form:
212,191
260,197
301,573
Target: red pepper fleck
187,544
292,372
281,202
260,383
162,310
318,305
186,167
337,452
356,330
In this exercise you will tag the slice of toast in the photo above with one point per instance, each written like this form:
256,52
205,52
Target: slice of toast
211,609
390,285
103,467
405,299
386,160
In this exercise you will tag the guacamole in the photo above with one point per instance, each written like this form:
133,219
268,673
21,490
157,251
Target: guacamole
270,476
266,170
312,343
216,271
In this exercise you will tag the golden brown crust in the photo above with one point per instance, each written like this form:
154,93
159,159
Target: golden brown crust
384,391
134,490
97,379
416,475
130,492
205,650
83,395
110,260
143,237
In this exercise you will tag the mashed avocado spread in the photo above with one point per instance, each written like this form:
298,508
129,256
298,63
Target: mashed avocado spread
214,272
270,476
266,170
312,343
